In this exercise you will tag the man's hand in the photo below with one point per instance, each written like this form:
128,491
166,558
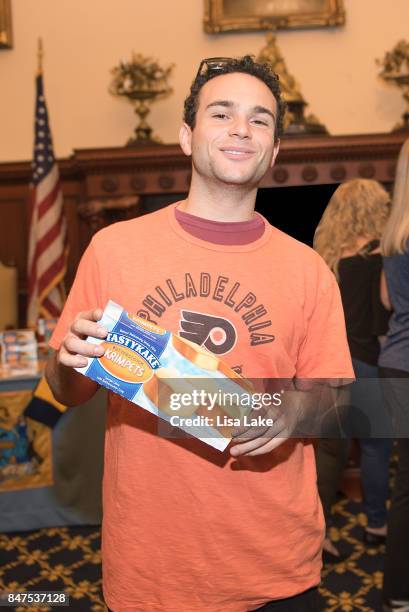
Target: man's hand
309,409
74,348
68,386
252,440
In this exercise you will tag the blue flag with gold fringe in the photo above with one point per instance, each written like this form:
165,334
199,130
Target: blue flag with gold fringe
43,406
26,423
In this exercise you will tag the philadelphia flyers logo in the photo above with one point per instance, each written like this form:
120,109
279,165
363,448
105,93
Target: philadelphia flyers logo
216,334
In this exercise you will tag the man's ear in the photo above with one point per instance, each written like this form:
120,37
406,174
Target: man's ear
185,139
275,152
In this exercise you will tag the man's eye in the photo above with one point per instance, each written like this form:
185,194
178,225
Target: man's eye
220,116
260,122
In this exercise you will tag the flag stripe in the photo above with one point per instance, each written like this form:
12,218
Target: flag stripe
41,262
45,281
49,309
48,258
54,207
52,303
47,184
33,233
47,235
49,201
52,214
54,299
43,188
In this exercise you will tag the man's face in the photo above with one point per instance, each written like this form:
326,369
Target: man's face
233,138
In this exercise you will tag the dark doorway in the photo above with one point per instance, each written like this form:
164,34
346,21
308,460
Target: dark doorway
295,210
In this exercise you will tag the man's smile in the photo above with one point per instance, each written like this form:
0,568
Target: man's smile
240,153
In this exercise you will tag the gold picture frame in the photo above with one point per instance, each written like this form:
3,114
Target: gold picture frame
245,15
6,35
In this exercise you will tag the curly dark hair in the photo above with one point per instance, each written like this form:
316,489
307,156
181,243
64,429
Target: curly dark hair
247,65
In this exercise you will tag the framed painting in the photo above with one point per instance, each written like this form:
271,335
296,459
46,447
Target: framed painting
6,39
244,15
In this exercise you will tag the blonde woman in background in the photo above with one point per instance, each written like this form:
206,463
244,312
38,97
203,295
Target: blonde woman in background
348,239
394,369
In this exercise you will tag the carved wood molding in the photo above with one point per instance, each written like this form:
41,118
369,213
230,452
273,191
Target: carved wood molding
155,169
100,213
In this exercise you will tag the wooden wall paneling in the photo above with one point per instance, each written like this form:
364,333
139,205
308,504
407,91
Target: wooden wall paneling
72,194
74,246
156,174
14,236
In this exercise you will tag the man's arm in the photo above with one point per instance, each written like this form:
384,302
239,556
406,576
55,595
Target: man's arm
68,386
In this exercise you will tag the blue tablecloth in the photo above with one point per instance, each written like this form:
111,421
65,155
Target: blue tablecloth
77,449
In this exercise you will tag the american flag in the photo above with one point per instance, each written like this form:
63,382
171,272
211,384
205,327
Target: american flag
47,255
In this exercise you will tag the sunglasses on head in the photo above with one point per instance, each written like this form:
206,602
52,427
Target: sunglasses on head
212,65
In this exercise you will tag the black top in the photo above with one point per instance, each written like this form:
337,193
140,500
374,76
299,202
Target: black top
365,316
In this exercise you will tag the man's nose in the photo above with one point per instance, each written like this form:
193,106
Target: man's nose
240,128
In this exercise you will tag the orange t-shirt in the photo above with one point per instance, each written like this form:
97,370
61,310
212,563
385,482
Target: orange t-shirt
185,527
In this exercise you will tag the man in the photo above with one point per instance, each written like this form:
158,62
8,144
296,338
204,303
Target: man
187,528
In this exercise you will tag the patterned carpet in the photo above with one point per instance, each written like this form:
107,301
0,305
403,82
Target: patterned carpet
69,559
355,583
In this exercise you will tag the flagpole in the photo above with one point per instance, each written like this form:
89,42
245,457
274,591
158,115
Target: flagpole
40,55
